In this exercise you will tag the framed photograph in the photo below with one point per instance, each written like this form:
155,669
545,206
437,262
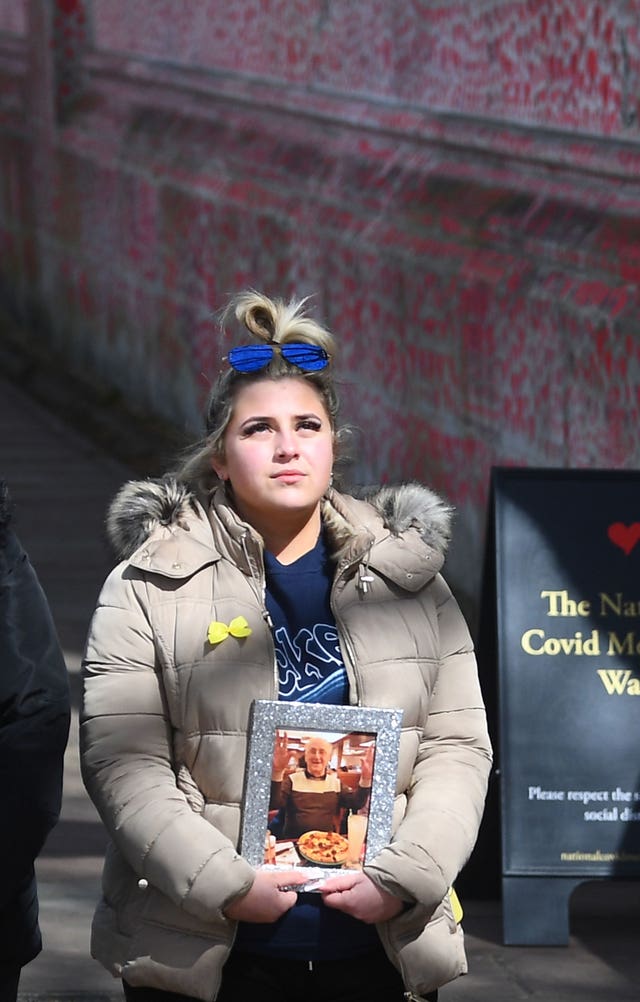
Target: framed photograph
319,788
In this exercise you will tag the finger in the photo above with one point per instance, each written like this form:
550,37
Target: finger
290,883
340,901
288,878
339,885
288,899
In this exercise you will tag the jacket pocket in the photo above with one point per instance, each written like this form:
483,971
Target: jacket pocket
428,951
140,934
159,911
173,951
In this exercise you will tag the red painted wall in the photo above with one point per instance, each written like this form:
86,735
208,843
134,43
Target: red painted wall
456,184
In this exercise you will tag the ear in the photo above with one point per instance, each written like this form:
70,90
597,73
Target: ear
220,469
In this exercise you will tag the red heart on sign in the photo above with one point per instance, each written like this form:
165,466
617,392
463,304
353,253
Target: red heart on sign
624,536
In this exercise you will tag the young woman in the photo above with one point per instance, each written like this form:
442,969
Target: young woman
337,600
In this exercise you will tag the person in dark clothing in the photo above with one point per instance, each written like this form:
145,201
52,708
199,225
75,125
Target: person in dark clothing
34,727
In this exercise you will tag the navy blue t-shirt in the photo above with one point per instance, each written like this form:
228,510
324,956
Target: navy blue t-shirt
308,655
311,669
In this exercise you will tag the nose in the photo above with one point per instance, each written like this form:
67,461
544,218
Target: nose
286,445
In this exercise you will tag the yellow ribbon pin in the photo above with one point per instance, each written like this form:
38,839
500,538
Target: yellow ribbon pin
218,632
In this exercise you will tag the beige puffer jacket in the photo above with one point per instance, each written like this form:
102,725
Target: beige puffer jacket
163,727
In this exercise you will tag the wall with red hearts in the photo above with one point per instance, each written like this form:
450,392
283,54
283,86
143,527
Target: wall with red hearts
456,185
626,537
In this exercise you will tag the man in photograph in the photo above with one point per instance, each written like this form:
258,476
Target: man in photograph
312,797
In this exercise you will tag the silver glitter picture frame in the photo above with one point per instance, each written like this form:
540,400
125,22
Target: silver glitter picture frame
340,723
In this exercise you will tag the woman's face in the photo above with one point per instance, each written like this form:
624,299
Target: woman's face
278,450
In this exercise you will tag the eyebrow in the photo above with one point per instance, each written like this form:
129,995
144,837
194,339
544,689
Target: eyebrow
271,417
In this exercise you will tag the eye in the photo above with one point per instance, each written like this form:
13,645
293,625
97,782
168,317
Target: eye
255,428
309,424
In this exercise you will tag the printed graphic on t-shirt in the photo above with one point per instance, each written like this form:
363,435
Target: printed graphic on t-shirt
310,665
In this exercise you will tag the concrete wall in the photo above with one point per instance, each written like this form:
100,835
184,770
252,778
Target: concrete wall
456,184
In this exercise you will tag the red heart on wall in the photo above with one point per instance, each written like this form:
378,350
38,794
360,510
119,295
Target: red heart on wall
624,536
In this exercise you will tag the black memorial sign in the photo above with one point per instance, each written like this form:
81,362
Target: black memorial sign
567,553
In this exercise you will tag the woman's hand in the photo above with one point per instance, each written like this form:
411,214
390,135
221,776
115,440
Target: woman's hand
357,895
265,902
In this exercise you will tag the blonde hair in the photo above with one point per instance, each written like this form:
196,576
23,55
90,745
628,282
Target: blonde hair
271,321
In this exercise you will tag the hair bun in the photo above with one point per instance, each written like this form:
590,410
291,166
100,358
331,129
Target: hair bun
259,320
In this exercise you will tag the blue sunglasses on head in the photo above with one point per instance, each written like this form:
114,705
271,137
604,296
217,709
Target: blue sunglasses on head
253,357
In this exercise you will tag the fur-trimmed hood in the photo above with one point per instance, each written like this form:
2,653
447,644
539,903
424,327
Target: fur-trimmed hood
412,506
141,506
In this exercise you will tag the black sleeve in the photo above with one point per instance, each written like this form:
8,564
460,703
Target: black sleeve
34,718
354,799
280,793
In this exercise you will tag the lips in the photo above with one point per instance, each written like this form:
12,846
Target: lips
288,474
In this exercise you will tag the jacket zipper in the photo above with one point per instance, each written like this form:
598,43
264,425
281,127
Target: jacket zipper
346,643
354,678
364,580
266,615
260,586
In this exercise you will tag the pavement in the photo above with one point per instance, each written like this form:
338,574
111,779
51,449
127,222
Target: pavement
61,481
